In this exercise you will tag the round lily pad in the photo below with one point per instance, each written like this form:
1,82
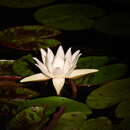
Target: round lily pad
24,3
29,37
6,67
115,23
71,121
123,110
24,66
68,16
105,74
101,123
109,94
54,102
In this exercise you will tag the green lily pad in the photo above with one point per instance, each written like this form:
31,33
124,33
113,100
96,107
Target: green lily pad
71,121
105,74
28,119
54,102
23,66
6,67
92,62
109,94
28,38
115,23
24,3
123,109
101,123
68,16
13,90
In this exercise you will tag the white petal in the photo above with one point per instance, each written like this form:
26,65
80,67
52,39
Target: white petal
75,55
60,52
58,84
43,54
81,72
68,54
35,77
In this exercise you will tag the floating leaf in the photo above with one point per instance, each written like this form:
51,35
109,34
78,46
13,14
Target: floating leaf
24,65
123,109
6,67
109,94
101,123
105,74
29,37
24,3
115,23
11,89
91,62
28,119
55,101
71,121
68,16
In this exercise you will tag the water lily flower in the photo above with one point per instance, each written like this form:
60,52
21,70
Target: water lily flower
58,67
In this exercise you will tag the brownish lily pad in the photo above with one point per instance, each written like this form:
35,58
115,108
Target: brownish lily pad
29,37
13,90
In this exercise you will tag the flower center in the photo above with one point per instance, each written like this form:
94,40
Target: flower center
57,72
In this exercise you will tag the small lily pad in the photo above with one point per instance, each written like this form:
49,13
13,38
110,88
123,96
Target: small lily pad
115,23
123,109
105,74
29,38
33,116
24,3
23,66
109,94
6,67
71,121
13,90
68,16
54,102
101,123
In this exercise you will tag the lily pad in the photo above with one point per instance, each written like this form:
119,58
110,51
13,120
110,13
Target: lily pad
71,121
13,90
29,37
24,3
91,62
6,67
28,119
109,94
105,74
115,23
123,110
23,66
101,123
54,102
68,16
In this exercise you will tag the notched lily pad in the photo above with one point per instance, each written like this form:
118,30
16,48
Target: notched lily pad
115,23
13,90
29,37
101,123
24,3
123,109
28,119
109,94
71,121
6,67
55,101
105,74
24,66
68,16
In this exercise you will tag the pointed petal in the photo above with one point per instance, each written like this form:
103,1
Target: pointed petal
68,54
75,55
81,72
34,78
43,54
58,84
60,52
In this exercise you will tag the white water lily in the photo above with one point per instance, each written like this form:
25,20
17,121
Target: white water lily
58,68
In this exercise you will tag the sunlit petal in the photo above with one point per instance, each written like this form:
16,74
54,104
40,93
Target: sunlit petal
80,72
43,54
58,84
35,77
